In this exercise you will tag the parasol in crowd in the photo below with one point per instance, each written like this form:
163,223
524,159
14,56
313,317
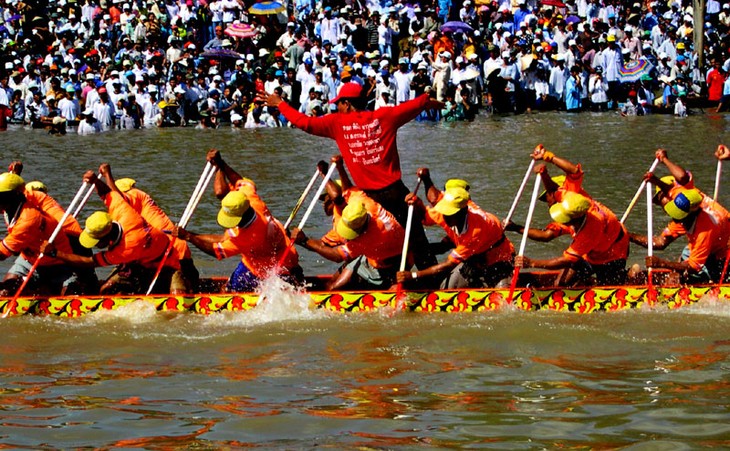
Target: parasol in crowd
240,30
456,26
266,8
634,70
555,3
220,54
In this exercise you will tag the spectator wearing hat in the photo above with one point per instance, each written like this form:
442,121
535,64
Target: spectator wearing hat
69,105
610,60
385,38
147,101
288,38
104,110
329,27
402,77
442,74
598,90
88,125
482,254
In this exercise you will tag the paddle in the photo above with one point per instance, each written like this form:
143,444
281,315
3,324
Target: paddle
718,173
56,231
650,242
203,182
638,192
523,243
304,219
304,195
519,194
404,252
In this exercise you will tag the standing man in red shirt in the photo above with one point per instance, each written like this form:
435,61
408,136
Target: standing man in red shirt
367,142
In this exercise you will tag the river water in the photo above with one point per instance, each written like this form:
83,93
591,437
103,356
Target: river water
285,377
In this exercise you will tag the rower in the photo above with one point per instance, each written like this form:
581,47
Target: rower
254,234
572,180
707,231
36,196
371,251
28,227
600,244
143,204
129,242
482,256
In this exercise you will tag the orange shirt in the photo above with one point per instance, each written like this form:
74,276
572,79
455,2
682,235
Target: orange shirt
143,204
382,239
48,205
140,242
261,243
600,239
707,236
28,231
482,234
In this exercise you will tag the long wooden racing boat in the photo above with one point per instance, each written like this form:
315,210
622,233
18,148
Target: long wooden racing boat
585,300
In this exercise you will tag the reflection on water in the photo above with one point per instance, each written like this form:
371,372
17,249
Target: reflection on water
283,376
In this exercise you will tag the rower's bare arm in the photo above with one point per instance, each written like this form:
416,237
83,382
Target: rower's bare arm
432,193
659,242
656,262
680,175
553,263
101,188
205,243
71,259
328,252
541,153
106,170
440,268
341,171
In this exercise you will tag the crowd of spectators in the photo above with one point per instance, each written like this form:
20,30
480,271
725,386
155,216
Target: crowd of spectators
103,64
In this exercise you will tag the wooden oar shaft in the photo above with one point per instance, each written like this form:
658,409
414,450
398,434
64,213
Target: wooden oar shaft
649,233
314,201
523,243
322,185
409,223
203,182
89,192
638,192
519,192
197,193
302,198
718,173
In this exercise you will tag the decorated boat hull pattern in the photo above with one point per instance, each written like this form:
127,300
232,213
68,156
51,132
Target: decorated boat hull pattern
587,300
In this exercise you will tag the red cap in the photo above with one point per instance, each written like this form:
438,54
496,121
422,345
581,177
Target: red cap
101,90
348,91
278,54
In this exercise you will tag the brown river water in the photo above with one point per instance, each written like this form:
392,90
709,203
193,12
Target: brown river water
286,377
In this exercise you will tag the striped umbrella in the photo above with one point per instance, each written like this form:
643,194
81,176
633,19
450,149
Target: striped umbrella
240,30
266,8
634,70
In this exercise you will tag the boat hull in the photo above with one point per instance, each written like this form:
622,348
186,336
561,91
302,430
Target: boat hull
587,300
